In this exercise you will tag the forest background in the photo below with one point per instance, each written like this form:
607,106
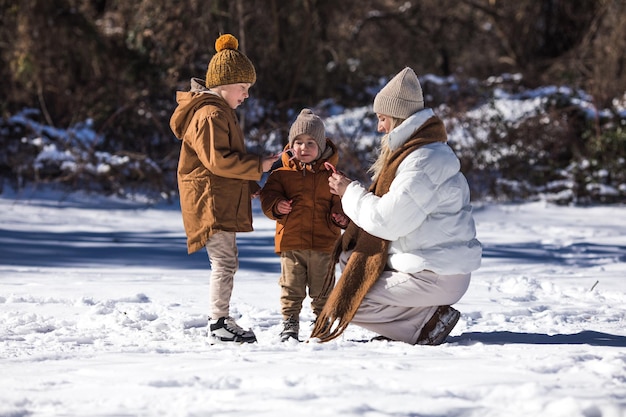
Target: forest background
105,73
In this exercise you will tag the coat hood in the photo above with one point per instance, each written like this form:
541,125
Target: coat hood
189,102
330,154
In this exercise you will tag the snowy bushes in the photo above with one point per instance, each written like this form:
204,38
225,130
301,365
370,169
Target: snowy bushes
548,143
33,153
515,144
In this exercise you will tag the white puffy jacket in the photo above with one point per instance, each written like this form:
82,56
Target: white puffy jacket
426,214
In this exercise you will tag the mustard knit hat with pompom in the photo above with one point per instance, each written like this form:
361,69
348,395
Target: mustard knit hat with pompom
228,65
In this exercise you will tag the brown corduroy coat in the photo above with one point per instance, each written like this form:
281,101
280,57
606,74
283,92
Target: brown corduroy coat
216,176
310,224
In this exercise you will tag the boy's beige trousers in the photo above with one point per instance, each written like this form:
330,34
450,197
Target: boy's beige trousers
223,255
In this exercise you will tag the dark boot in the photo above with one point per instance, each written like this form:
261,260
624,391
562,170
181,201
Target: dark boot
291,328
439,326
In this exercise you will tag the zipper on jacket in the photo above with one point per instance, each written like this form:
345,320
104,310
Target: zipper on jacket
303,165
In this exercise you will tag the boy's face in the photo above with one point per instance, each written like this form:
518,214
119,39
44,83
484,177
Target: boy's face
234,94
306,148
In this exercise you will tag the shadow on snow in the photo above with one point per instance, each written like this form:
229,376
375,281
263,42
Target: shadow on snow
153,249
586,337
581,254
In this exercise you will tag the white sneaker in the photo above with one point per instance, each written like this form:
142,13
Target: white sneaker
225,329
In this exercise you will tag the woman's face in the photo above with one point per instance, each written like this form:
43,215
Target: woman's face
384,123
234,94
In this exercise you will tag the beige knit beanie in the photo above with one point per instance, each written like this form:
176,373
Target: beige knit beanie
401,97
228,65
311,124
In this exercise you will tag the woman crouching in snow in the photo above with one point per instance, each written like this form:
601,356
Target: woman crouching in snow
411,246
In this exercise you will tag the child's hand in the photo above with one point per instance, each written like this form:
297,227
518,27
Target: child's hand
341,219
284,206
268,162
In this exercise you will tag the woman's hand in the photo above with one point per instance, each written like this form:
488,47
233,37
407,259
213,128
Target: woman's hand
338,183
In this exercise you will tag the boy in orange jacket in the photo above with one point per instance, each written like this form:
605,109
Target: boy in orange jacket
308,218
217,177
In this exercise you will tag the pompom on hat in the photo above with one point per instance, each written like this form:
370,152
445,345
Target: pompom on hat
401,97
311,124
228,65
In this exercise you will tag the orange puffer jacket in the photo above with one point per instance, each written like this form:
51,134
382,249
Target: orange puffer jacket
310,224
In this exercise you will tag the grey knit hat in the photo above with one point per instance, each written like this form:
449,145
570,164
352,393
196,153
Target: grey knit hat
311,124
401,97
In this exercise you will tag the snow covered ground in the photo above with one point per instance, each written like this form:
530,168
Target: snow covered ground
102,313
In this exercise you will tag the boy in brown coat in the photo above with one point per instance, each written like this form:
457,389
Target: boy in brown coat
216,176
308,217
